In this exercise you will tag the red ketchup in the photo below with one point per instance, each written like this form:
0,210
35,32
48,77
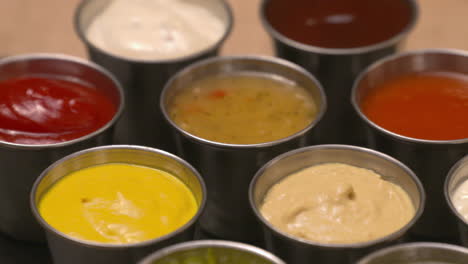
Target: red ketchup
37,110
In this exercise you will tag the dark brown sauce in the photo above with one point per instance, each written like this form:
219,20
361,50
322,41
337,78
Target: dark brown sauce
339,23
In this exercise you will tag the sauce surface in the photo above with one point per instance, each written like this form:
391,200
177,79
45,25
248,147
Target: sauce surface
460,200
242,109
37,110
118,203
212,255
426,105
339,23
157,29
337,203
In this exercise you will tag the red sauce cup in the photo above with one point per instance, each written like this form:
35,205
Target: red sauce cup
335,68
21,164
430,159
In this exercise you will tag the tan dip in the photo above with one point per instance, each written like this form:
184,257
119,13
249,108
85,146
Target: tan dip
337,203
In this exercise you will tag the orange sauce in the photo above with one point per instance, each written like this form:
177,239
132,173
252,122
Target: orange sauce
426,105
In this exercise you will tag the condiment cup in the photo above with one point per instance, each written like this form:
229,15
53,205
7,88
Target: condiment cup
69,250
336,69
228,168
227,252
417,253
296,250
22,163
143,80
456,176
430,159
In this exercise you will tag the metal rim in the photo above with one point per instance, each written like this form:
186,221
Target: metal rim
212,244
320,113
448,180
85,63
381,63
414,245
216,45
392,236
339,51
88,243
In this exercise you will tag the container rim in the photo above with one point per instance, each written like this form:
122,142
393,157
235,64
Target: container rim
413,245
392,236
260,58
195,244
339,51
84,63
87,243
463,162
381,63
82,36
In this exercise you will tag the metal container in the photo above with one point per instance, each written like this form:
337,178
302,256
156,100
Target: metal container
297,250
21,164
418,253
456,176
143,80
69,250
228,168
430,159
336,69
212,251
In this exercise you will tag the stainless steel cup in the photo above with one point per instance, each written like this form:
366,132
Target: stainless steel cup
216,251
143,80
456,176
228,168
21,164
69,250
430,159
297,250
418,253
336,69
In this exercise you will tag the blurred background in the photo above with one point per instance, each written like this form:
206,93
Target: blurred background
47,26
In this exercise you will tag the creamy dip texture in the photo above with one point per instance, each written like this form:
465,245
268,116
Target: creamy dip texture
460,200
337,203
118,203
157,29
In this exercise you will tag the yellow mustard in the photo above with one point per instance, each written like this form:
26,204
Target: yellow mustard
118,203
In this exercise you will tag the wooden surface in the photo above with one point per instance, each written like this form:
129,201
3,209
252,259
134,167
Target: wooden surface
46,26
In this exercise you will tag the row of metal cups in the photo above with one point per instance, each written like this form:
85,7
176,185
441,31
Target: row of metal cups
232,253
292,250
70,250
342,122
228,215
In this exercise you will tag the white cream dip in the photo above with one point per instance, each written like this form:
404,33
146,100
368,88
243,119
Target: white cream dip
460,200
157,29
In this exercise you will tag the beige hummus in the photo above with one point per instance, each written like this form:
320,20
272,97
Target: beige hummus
337,203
